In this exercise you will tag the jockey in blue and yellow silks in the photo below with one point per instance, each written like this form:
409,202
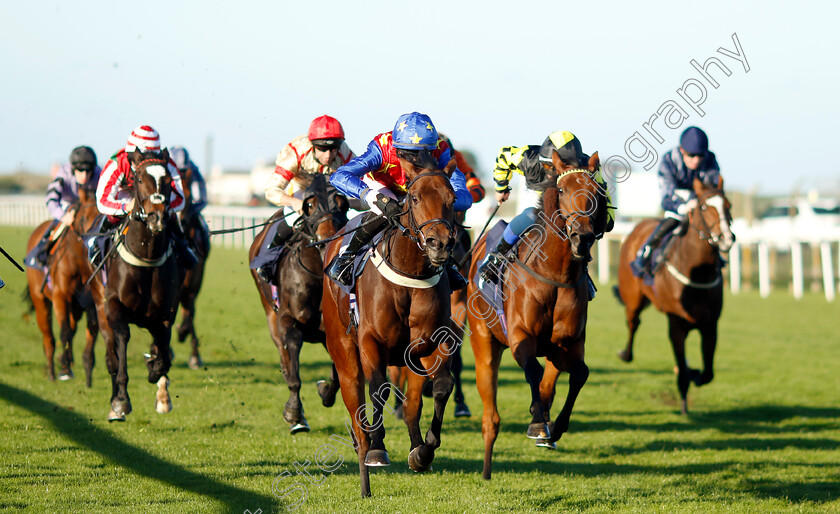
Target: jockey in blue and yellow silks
378,178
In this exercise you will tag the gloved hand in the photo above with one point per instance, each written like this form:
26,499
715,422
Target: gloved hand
687,207
382,205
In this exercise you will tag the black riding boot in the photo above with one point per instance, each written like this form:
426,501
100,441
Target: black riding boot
99,229
490,266
37,257
267,271
640,264
341,268
456,280
183,253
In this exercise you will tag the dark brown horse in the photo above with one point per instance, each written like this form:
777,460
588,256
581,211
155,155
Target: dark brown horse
65,296
296,315
142,288
688,287
397,321
195,228
546,301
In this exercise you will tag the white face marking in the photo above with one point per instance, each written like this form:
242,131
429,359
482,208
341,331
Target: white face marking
726,233
157,171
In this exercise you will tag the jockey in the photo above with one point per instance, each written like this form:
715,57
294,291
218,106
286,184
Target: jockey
414,138
81,173
320,152
691,159
115,198
198,186
532,161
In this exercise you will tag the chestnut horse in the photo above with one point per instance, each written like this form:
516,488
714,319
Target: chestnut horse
297,317
65,296
688,288
142,287
195,228
545,306
396,321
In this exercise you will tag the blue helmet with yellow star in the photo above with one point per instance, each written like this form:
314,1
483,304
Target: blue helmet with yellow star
414,131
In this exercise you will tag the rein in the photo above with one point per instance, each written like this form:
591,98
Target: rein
548,281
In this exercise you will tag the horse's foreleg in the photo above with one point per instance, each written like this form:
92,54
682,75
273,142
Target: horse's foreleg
89,358
327,390
288,339
708,334
353,393
43,315
118,367
632,310
538,429
159,364
67,318
548,387
187,328
442,384
412,409
578,374
678,329
380,391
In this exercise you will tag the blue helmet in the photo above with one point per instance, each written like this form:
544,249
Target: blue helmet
414,131
180,156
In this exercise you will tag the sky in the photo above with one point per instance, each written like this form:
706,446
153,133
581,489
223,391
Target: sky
252,75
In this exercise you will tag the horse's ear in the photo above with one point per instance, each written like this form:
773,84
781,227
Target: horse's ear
450,167
559,165
698,185
720,182
135,157
342,204
309,205
594,163
165,155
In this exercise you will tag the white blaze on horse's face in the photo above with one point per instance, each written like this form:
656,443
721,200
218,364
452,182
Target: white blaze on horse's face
726,239
158,172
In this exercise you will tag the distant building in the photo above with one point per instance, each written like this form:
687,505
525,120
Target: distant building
238,187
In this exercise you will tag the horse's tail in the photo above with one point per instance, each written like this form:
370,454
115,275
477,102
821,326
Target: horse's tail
617,294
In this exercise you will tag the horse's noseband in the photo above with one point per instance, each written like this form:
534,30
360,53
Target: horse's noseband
417,234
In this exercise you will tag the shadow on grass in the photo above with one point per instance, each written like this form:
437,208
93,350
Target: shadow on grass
78,429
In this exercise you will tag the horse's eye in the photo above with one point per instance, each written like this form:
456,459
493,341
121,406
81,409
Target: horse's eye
414,199
559,190
703,207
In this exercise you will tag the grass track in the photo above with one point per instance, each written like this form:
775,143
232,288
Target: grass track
764,436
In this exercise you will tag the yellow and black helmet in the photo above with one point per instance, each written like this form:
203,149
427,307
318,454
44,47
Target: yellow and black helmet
565,144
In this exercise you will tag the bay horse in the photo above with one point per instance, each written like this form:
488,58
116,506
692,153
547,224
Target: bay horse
688,287
398,324
545,306
66,295
295,316
142,284
195,229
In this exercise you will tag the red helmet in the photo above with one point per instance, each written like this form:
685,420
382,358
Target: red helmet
326,127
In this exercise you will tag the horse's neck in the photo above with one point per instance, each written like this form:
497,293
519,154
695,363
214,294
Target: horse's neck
405,255
690,251
557,263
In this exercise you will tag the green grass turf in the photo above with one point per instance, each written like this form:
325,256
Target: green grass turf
764,436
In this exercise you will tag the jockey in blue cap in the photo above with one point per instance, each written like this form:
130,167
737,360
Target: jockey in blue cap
378,178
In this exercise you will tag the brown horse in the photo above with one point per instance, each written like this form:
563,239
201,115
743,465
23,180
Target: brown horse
65,295
142,286
397,321
296,317
688,287
195,228
546,301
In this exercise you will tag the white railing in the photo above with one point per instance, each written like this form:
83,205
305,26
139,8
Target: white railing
20,210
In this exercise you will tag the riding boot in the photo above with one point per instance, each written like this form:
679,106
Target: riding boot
184,254
94,242
456,280
267,271
341,269
37,257
492,263
641,263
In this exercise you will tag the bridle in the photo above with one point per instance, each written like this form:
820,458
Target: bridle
156,198
414,231
570,220
702,227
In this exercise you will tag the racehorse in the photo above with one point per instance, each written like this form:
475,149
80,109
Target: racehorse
397,317
688,287
295,316
195,229
142,284
545,305
65,295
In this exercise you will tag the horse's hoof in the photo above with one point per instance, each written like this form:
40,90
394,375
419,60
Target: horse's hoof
545,443
538,431
625,355
415,461
163,402
327,396
66,375
462,411
300,426
702,378
377,459
113,416
195,362
121,407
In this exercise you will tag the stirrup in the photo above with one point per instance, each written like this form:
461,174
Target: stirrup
490,266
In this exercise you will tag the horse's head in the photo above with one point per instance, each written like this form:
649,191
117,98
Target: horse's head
324,210
430,214
152,189
711,217
577,205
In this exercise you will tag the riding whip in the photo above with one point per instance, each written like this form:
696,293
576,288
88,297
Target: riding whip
18,266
